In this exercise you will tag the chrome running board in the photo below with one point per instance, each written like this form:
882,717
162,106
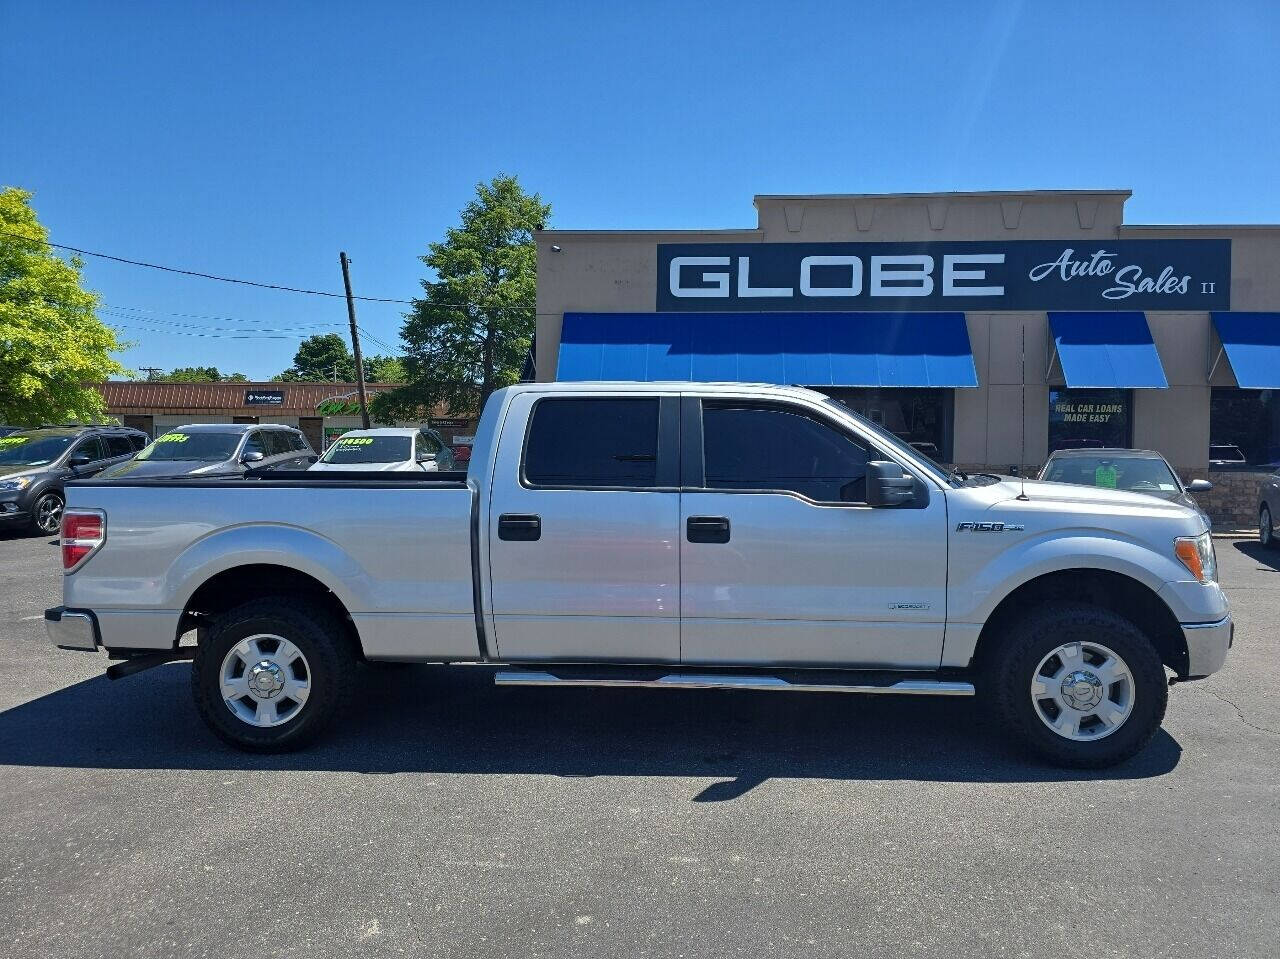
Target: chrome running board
901,687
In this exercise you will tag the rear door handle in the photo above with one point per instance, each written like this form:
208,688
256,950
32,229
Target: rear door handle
519,527
707,529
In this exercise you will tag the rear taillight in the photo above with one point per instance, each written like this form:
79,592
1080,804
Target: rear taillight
83,531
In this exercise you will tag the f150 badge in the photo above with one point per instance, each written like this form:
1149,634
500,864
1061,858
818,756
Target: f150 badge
989,527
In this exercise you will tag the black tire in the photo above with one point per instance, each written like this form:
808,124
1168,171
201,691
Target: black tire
47,505
1028,640
330,663
1266,526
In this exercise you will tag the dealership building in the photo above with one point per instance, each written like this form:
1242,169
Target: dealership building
987,328
322,411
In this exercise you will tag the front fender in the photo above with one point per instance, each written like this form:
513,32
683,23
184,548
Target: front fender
974,598
270,544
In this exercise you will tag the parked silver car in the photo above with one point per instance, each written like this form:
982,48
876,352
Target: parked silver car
1138,471
218,450
1268,507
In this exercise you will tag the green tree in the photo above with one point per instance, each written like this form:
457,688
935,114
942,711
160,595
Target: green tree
202,374
318,358
384,369
52,345
469,334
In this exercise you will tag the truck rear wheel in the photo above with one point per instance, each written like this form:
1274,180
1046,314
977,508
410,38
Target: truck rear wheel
1078,684
271,674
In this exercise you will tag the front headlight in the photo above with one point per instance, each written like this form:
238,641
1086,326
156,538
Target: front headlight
18,482
1197,555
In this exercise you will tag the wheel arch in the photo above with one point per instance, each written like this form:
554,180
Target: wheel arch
1121,594
236,585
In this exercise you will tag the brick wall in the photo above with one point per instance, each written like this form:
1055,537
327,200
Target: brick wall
1233,501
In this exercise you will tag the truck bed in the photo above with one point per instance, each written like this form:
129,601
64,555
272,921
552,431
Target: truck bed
401,564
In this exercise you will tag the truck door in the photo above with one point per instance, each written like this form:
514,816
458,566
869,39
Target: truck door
783,561
583,531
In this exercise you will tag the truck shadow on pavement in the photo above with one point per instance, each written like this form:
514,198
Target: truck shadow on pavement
434,719
1268,558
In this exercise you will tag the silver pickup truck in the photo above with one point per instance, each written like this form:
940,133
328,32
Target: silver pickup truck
678,535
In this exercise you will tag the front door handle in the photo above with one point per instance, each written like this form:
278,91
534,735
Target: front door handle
707,529
519,527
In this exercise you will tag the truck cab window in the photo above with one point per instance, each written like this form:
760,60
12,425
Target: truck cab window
611,443
770,448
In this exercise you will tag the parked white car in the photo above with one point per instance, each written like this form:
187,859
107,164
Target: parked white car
386,450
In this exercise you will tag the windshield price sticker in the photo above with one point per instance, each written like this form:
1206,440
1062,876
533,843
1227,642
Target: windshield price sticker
173,438
1105,476
355,441
7,441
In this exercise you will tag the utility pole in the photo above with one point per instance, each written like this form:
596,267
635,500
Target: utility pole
153,372
355,339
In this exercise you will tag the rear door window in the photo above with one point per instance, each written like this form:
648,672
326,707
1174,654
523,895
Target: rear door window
773,448
588,442
118,445
277,442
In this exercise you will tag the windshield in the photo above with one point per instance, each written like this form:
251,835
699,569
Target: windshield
205,447
935,469
369,449
1138,474
19,449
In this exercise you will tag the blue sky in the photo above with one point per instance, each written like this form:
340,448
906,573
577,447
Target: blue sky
259,139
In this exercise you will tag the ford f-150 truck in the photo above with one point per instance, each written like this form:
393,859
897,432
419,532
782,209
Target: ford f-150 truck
679,535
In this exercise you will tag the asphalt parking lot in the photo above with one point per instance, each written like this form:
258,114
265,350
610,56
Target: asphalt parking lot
447,817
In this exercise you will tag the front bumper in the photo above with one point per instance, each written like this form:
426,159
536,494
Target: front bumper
13,511
1207,645
71,628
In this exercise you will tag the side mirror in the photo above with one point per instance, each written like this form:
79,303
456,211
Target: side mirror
79,459
1199,486
311,458
888,484
253,456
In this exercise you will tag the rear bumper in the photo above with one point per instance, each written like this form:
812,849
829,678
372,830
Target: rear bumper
1207,645
71,628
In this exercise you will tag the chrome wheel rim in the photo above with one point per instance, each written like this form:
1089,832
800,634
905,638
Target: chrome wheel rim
265,680
49,514
1082,691
1264,526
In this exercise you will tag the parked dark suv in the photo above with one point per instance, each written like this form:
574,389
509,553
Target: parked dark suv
36,463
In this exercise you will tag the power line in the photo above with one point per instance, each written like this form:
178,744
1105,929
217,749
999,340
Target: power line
211,336
205,276
267,286
220,329
198,316
377,342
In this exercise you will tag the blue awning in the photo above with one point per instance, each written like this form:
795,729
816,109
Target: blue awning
1252,344
1106,350
809,349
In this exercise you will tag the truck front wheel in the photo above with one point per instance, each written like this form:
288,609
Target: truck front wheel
271,674
1078,684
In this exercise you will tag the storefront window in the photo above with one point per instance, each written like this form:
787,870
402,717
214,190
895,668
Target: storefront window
1244,428
1089,419
920,417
